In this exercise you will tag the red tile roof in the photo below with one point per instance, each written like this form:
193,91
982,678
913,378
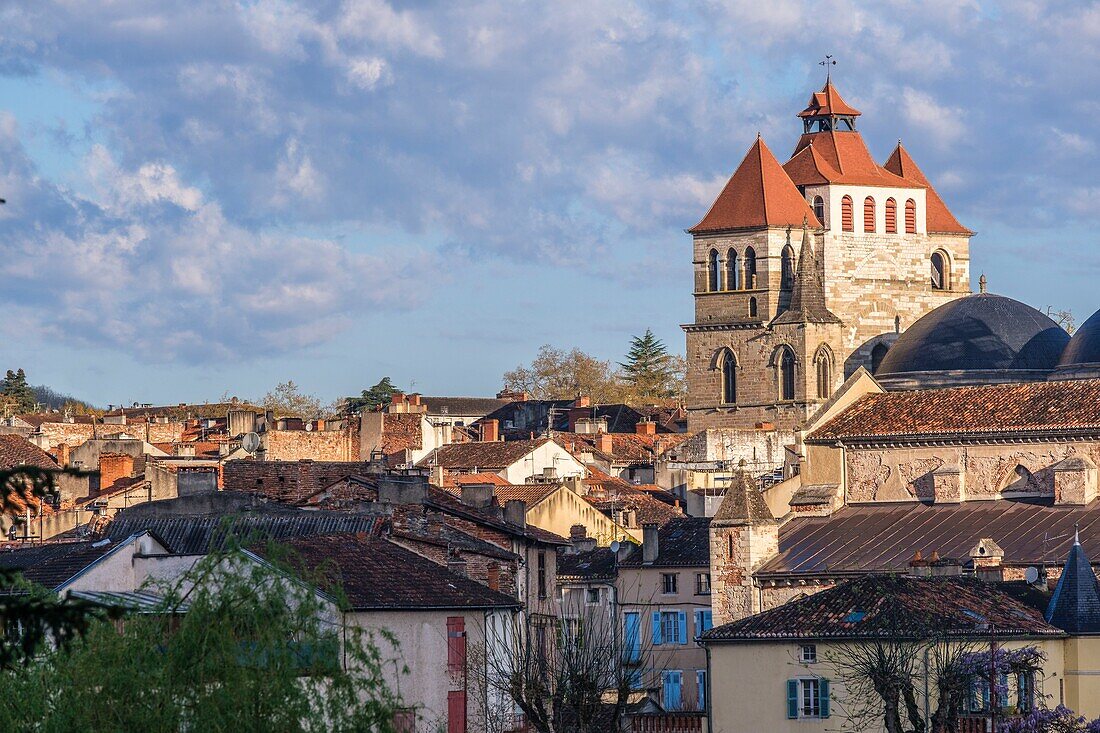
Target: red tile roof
828,102
1001,409
758,194
15,450
908,607
531,494
939,217
491,455
846,160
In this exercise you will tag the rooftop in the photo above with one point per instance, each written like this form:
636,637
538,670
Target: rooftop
489,455
15,450
681,542
877,606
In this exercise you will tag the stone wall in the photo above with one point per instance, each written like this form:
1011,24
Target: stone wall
323,445
735,553
987,472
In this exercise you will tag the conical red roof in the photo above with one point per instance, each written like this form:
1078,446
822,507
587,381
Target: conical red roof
758,194
839,156
828,102
940,218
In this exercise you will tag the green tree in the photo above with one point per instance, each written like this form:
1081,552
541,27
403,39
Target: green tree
650,372
377,396
18,396
287,400
556,374
234,645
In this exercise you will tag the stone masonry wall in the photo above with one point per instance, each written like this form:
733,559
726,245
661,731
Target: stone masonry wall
905,474
323,445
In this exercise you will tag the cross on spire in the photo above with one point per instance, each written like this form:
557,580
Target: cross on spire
827,63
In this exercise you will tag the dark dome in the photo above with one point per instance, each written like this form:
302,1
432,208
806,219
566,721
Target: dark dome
1081,359
979,339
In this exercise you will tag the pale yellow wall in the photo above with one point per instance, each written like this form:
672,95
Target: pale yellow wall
564,508
1082,675
749,685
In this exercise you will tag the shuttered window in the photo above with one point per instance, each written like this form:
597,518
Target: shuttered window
910,217
891,216
456,711
868,214
456,644
847,220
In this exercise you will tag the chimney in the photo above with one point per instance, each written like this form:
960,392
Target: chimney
515,512
582,401
604,444
114,467
650,550
456,563
646,427
414,399
63,452
478,496
394,489
507,394
185,450
318,425
490,431
577,532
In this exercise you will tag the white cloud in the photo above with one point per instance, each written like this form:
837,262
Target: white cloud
378,21
368,73
940,124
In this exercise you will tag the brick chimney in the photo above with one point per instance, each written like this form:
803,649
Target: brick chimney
582,401
646,427
604,444
114,467
577,532
650,550
506,394
63,452
490,431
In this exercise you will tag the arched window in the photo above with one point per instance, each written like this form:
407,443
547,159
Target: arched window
750,268
868,214
877,355
819,209
787,268
713,271
823,365
752,307
941,276
786,374
910,217
847,219
729,379
733,270
891,216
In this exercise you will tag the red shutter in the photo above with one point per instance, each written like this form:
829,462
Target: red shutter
868,214
847,222
910,217
891,216
456,643
456,712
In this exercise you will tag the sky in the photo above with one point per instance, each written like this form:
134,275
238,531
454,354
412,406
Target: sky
210,197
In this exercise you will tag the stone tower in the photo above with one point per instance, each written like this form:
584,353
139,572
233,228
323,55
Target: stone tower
743,535
806,271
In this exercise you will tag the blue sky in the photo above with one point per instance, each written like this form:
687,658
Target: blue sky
211,196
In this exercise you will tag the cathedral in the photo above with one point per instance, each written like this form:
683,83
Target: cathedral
807,270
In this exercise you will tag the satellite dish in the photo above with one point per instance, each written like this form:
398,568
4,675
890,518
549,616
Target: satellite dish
250,442
615,546
309,427
1031,574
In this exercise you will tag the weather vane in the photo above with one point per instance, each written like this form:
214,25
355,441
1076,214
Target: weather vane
828,62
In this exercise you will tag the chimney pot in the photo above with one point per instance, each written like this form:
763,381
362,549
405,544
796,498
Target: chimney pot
490,431
646,427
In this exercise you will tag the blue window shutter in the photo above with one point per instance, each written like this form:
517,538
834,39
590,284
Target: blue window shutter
632,631
683,627
792,699
823,697
672,680
707,622
698,623
701,688
656,628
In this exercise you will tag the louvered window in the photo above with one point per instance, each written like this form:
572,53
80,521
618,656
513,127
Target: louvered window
868,214
891,216
847,222
910,217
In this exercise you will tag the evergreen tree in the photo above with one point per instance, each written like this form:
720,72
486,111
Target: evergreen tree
649,370
17,395
377,396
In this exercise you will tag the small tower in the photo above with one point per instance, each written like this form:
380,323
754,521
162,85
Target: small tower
1075,605
743,535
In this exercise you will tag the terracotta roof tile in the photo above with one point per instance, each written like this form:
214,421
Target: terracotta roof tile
939,217
374,573
848,161
828,102
1032,407
488,455
892,605
15,450
758,194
